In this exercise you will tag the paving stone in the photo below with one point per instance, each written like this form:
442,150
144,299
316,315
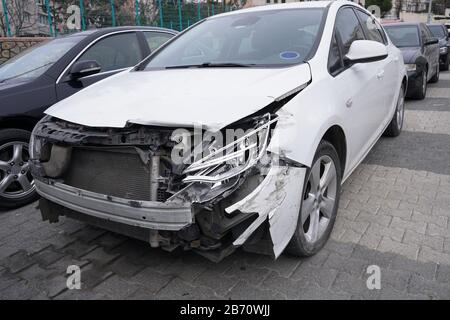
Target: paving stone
250,274
354,285
116,288
177,289
151,279
18,261
353,266
245,291
425,270
216,281
288,287
432,242
47,256
100,257
408,250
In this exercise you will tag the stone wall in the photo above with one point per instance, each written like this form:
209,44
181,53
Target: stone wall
9,47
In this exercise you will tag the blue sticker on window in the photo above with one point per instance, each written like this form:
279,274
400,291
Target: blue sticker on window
289,55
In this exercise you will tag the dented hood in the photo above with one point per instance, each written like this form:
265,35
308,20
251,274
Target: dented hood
212,97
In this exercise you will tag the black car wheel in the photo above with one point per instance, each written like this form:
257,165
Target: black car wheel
421,90
446,64
435,78
16,183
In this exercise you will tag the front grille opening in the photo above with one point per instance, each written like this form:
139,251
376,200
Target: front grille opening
118,172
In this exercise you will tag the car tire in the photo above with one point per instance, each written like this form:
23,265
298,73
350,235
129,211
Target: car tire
396,124
317,214
447,62
16,184
421,92
435,78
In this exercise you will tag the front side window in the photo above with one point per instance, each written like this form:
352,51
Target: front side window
265,38
403,36
437,31
348,27
115,52
156,39
33,62
374,31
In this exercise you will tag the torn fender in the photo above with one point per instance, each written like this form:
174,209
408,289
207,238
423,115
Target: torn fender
277,198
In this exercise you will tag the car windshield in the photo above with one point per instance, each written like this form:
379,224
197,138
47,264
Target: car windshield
404,36
35,61
437,31
259,38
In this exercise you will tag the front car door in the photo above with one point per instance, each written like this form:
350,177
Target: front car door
113,52
388,69
359,87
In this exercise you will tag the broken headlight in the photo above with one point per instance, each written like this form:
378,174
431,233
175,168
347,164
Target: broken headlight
236,157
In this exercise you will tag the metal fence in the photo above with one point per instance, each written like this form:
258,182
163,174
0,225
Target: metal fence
52,18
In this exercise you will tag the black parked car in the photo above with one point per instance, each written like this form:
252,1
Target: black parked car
48,73
441,32
420,54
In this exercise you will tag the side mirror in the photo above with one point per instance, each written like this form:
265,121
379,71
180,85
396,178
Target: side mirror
85,68
431,41
363,51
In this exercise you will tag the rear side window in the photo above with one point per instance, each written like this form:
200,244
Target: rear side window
156,39
373,29
115,52
349,28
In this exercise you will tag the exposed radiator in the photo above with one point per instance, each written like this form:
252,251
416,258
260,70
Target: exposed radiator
116,172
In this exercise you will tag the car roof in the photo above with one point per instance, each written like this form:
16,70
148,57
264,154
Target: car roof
278,6
399,24
102,31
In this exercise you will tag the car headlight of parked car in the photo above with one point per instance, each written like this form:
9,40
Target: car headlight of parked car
411,67
443,50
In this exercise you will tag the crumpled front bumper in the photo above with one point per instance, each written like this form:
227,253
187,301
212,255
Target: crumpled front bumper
146,214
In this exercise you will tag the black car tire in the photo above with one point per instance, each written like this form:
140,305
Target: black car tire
7,138
299,245
435,78
396,124
447,62
421,90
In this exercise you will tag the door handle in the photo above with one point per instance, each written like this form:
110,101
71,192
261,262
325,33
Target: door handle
380,75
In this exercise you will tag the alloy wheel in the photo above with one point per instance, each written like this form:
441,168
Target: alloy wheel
15,178
400,110
319,199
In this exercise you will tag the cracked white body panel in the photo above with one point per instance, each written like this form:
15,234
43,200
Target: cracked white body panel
277,198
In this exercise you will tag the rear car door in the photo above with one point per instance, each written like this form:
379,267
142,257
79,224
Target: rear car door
429,50
114,53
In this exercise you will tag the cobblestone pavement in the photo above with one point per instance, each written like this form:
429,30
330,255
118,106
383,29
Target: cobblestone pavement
394,213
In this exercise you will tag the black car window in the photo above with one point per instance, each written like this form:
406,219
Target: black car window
438,31
115,52
424,34
348,27
156,39
403,35
373,29
335,63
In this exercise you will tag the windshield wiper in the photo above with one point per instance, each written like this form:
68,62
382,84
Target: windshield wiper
213,65
24,73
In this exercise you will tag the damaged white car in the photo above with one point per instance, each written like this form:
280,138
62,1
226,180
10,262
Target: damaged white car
237,133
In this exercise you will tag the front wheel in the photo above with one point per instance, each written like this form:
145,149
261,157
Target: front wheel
320,202
16,184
